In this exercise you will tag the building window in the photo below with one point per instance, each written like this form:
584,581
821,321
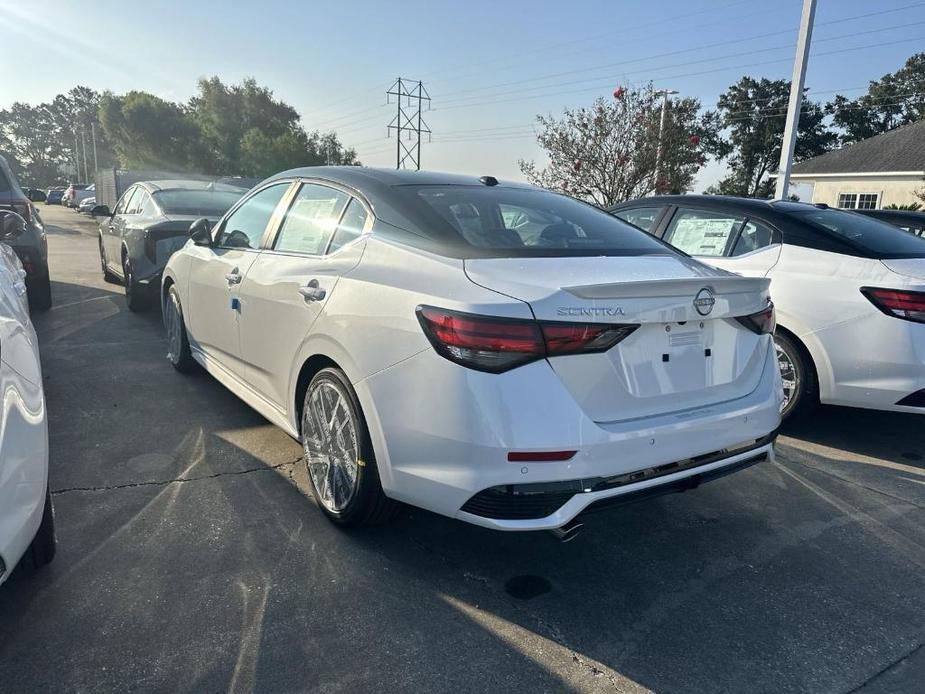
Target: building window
858,201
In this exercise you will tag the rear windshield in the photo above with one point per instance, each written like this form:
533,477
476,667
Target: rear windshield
877,238
482,221
201,203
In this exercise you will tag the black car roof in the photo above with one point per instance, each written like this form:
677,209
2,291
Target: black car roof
360,177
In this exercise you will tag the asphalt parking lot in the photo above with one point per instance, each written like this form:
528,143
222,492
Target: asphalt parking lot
191,558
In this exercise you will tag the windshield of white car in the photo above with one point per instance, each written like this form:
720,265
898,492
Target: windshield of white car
202,203
877,238
487,221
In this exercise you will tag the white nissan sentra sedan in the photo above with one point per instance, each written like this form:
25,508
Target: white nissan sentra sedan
489,351
27,529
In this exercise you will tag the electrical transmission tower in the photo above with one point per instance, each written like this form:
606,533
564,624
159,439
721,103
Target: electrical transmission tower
408,120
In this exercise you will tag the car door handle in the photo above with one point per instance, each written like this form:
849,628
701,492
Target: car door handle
233,277
312,292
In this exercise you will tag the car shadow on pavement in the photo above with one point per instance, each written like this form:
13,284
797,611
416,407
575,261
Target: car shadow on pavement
895,436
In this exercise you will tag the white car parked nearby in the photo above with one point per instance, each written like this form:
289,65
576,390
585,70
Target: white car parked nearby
492,352
26,514
849,290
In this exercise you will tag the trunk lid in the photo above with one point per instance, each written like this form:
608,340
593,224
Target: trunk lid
684,354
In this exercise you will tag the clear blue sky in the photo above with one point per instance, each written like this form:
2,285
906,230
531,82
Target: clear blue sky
333,61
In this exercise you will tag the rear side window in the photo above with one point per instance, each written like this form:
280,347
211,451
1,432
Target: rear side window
311,219
753,237
703,232
498,221
351,225
875,238
642,217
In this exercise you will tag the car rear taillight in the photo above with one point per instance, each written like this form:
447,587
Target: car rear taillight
898,303
489,343
762,323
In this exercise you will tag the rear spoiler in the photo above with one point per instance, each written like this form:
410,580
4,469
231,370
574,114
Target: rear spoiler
670,287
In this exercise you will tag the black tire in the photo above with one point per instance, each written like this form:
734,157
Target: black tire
39,292
178,351
108,276
792,356
42,549
368,504
136,295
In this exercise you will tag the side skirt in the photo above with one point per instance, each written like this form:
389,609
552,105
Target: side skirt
243,391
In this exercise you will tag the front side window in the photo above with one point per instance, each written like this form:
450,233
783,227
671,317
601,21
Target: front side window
311,219
702,232
245,227
498,221
642,217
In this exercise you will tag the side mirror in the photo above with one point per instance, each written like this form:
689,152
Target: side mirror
12,226
100,211
200,232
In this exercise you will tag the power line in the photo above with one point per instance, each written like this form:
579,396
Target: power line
709,59
598,87
330,121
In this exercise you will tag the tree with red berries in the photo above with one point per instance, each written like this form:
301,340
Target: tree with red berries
607,153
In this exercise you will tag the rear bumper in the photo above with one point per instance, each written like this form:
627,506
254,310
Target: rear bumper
449,441
888,368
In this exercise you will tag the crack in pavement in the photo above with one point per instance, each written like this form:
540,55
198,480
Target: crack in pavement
164,483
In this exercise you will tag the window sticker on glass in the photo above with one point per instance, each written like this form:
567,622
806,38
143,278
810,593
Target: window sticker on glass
702,233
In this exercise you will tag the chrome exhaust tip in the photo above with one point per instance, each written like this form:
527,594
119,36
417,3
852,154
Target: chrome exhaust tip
568,532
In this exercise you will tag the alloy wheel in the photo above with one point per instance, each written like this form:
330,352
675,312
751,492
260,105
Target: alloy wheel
330,441
789,376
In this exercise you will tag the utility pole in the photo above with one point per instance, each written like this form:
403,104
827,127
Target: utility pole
664,93
782,185
96,166
408,119
83,139
76,155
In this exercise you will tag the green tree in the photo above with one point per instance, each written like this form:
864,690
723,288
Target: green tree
246,131
895,99
28,134
747,129
149,132
607,153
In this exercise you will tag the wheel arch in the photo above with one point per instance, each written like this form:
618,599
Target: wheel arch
801,345
310,367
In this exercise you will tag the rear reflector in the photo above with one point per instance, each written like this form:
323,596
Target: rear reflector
762,322
489,343
539,456
898,303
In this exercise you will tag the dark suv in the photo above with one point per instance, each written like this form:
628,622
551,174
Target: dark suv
31,246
